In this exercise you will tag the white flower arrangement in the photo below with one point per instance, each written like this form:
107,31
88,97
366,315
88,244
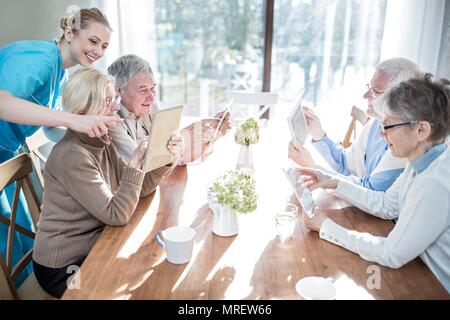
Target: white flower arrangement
235,189
247,133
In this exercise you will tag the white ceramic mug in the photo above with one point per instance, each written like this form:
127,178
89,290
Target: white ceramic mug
178,243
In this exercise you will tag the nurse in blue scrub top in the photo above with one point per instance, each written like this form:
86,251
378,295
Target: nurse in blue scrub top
31,76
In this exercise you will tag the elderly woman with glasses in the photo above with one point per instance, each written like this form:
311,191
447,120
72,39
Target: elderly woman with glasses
87,185
416,122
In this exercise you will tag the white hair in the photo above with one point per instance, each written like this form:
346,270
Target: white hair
125,67
399,70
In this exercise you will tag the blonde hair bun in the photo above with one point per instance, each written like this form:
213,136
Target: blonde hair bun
80,20
63,23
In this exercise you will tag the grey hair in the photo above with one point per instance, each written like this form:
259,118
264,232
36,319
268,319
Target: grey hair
421,99
125,67
399,70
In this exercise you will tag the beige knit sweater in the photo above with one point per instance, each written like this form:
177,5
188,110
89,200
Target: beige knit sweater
87,186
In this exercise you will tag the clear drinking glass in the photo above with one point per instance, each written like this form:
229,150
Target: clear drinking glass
285,220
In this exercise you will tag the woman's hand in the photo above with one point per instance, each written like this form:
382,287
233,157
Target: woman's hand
176,146
137,159
92,125
314,223
300,155
315,178
313,123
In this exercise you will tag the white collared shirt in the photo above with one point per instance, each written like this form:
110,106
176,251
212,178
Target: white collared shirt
421,202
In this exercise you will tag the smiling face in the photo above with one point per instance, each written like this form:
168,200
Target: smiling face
379,85
138,94
88,45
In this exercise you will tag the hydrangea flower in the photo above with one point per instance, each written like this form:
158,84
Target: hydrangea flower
247,133
236,189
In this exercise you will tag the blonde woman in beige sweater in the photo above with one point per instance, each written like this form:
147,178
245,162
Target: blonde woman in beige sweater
87,185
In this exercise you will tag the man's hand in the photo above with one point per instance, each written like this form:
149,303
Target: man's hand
176,146
300,155
225,126
313,124
210,126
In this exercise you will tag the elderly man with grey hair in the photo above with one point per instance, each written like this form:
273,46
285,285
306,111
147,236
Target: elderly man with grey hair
368,162
137,89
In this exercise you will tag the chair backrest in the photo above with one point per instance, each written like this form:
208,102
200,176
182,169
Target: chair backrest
16,170
39,147
358,115
246,104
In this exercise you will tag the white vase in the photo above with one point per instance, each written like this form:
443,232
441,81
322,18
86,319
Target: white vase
225,223
245,159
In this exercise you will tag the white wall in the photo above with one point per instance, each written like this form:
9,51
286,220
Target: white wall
33,19
413,29
132,22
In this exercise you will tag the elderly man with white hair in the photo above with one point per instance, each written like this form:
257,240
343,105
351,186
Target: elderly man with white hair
368,162
137,89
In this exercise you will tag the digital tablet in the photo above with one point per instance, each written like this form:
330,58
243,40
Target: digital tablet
303,195
297,123
165,123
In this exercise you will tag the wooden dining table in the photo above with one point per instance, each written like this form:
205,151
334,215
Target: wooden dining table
126,262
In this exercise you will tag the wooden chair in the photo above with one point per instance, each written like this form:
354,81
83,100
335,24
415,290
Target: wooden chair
18,170
257,104
38,146
358,115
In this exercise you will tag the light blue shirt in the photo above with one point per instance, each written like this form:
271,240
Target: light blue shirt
30,70
334,154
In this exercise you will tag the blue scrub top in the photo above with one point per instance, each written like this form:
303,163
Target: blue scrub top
30,70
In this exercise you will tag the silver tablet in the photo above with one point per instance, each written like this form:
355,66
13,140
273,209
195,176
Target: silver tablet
297,123
304,195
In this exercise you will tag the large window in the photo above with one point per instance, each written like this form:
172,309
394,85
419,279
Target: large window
207,47
324,52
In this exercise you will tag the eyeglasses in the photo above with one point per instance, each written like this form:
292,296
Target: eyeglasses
385,128
116,100
374,93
